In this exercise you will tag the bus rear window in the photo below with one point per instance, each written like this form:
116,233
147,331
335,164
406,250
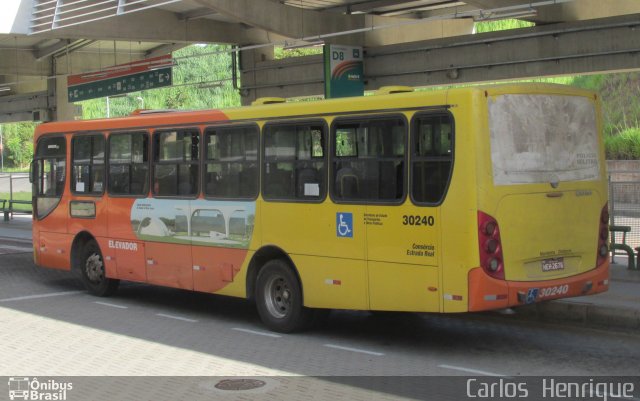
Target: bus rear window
543,138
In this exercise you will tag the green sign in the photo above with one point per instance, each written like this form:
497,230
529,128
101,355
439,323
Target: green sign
343,71
120,85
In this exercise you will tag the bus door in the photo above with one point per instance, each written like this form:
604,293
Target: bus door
51,241
123,249
326,240
165,221
128,183
403,247
88,203
165,229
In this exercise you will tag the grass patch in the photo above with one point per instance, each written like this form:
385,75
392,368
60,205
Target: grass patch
23,196
624,146
15,170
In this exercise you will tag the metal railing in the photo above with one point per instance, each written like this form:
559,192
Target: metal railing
624,210
15,193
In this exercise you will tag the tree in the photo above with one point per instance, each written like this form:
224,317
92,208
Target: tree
17,144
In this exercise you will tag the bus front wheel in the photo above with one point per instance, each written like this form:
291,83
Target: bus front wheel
94,273
279,298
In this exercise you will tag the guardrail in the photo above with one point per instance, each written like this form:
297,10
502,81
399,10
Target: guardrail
624,209
16,194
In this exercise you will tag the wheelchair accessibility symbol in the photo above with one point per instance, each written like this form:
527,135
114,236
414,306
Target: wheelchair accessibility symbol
344,225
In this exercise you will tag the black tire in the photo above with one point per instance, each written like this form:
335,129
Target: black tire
93,272
279,298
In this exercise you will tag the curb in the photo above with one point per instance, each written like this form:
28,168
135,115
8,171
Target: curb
582,314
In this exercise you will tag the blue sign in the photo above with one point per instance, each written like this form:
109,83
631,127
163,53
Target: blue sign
344,225
532,295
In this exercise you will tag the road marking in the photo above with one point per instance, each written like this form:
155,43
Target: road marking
259,333
15,248
468,370
15,239
184,319
51,294
362,351
111,305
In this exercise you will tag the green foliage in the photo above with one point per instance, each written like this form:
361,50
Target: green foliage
501,25
198,65
620,95
280,52
23,196
17,142
624,146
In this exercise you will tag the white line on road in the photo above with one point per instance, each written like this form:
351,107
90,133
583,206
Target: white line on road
259,333
111,305
184,319
362,351
468,370
51,294
16,239
15,248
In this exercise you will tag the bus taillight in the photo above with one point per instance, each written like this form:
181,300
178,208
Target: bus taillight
603,248
490,246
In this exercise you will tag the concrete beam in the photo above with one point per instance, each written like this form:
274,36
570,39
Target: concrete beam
604,45
195,14
290,77
372,5
164,49
298,23
586,9
288,21
161,26
489,4
47,51
23,62
21,107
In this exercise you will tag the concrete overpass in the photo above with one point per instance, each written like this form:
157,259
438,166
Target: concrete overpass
408,42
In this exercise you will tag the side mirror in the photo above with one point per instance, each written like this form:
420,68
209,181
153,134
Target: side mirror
32,174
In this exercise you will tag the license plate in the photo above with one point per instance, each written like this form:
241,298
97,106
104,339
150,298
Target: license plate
549,265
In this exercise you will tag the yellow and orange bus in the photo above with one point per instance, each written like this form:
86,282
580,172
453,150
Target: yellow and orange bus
457,200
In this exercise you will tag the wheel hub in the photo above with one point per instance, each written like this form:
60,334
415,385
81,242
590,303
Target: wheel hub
278,297
94,268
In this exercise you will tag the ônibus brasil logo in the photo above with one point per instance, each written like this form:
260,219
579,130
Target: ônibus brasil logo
24,388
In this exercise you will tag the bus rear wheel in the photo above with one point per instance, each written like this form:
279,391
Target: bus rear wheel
93,272
279,298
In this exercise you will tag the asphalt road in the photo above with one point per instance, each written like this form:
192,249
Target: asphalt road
50,326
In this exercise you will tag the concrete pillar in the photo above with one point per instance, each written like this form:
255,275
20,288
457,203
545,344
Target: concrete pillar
249,60
59,107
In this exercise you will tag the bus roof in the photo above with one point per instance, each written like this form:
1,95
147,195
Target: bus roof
381,103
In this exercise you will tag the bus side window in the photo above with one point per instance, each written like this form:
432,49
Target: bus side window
176,166
231,162
294,162
88,164
369,160
129,164
431,157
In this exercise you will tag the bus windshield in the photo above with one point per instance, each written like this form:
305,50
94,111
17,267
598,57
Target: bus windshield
543,138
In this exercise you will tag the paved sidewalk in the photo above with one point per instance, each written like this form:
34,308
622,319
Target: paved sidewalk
619,307
19,227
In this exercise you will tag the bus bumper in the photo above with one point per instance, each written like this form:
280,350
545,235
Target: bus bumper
487,293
